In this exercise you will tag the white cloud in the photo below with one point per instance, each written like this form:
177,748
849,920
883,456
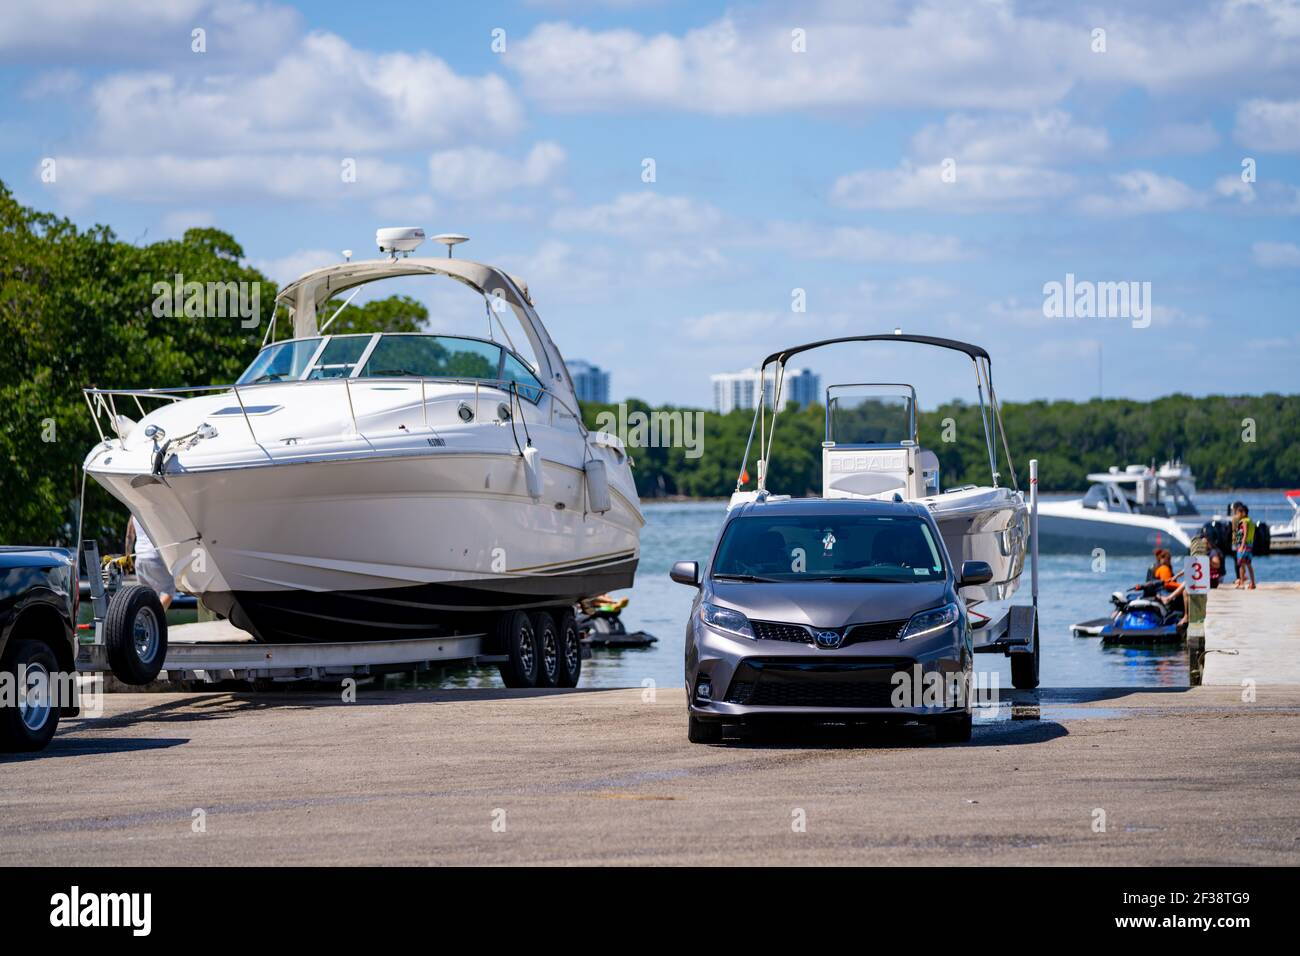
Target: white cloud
743,63
668,222
322,94
474,172
91,31
1020,139
1270,125
942,53
642,215
1142,191
976,186
167,178
1233,187
1276,255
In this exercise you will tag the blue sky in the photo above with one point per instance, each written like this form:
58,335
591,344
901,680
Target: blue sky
930,166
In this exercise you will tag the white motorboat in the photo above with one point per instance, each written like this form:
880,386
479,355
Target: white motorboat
1285,538
871,450
1130,511
357,487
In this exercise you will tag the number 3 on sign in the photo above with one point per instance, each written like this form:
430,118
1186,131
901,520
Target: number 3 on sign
1198,574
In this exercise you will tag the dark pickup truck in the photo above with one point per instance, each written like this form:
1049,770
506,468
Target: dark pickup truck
38,644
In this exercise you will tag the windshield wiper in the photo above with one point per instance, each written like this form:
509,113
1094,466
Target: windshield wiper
393,373
742,577
853,579
268,377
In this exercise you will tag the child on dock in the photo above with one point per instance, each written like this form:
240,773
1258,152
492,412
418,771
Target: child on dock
1243,543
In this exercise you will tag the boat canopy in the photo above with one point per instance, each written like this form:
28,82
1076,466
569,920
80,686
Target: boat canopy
974,351
990,414
306,294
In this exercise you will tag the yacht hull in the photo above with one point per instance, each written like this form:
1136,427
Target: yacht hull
378,547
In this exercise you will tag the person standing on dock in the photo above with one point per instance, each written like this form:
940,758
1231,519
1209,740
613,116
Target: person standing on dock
1243,543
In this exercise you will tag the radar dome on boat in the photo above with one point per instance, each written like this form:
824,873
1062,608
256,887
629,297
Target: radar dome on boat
395,239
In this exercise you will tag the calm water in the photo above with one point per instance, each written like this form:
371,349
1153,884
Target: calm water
1069,592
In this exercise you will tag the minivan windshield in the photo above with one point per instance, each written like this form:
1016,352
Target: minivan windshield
846,547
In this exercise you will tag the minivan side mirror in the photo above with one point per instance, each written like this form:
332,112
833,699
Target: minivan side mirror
687,572
975,572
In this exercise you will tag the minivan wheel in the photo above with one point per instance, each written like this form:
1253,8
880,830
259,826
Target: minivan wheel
953,730
703,731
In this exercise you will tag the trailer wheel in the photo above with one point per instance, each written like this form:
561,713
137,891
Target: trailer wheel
29,718
135,635
570,649
1025,667
515,632
548,649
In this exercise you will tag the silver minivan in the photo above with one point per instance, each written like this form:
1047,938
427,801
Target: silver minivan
834,610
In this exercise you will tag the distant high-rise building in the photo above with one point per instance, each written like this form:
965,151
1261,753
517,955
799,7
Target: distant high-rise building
732,390
803,386
589,381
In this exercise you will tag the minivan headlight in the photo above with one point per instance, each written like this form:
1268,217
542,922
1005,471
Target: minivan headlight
931,621
725,619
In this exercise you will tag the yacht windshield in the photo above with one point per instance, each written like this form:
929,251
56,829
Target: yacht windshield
393,355
433,356
282,362
853,548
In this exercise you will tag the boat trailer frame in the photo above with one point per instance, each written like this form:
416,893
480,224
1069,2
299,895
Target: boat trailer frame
192,656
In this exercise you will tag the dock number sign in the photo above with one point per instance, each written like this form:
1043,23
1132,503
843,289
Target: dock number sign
1197,574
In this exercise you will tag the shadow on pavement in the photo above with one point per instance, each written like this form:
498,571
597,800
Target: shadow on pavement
72,746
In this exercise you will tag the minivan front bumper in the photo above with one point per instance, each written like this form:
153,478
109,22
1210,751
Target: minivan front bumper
884,679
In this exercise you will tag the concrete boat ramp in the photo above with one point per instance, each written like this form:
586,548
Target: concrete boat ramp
1104,776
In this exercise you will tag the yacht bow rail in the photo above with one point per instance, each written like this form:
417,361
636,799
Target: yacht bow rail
102,401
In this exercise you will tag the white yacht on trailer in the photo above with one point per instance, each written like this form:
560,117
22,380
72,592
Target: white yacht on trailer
872,451
356,487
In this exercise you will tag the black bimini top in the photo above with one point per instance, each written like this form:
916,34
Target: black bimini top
974,351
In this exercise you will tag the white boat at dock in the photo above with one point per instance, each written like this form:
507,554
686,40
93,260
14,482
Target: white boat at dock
1130,511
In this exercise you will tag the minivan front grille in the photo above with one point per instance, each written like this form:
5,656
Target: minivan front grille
875,631
774,631
799,634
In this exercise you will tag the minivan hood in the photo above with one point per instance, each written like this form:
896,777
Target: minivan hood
828,604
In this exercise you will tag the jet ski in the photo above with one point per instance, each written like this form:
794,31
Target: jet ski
1140,617
600,625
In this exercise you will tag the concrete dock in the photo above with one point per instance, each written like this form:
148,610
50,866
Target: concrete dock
1253,635
1177,776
